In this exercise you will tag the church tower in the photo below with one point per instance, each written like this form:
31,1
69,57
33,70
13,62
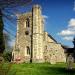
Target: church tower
37,34
22,49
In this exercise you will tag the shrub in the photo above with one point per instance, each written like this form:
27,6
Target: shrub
7,56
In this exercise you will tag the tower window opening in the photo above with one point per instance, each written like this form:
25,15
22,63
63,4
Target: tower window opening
28,50
26,32
27,22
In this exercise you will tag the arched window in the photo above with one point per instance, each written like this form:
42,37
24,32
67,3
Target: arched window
27,22
28,50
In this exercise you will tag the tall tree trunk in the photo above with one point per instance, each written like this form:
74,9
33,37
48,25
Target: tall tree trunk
2,45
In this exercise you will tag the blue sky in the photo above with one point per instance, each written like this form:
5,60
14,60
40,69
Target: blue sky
59,16
59,13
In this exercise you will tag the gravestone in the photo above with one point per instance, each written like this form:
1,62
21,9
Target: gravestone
70,61
70,56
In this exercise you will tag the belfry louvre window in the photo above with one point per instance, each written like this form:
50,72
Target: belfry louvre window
28,50
27,22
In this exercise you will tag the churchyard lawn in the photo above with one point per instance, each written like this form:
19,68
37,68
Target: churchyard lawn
35,69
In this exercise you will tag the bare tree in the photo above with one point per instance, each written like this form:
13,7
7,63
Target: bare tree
8,4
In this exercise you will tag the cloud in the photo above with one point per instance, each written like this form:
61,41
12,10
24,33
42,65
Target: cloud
70,38
72,22
70,29
67,34
45,16
74,8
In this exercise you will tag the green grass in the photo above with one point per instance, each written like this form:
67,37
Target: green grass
34,69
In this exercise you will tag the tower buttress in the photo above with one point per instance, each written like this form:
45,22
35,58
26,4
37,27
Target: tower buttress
37,34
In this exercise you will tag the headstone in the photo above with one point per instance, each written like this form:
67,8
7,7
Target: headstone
70,61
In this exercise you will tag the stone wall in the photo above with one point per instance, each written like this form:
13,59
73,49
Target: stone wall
53,51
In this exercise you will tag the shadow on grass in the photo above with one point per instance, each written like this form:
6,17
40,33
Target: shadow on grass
58,71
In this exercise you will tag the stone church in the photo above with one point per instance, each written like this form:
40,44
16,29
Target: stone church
33,44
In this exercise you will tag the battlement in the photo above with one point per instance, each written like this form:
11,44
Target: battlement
36,6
